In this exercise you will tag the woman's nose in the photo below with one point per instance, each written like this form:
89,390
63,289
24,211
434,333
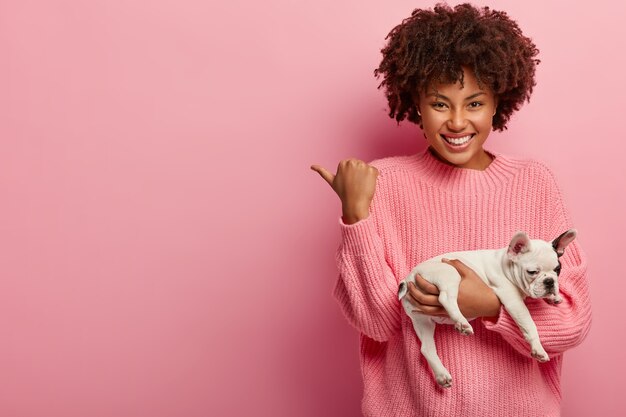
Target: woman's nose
457,120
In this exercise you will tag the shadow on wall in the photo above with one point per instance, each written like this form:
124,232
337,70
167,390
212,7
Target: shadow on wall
317,356
323,366
320,357
384,138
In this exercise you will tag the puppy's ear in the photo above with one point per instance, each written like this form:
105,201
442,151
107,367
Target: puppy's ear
562,241
519,244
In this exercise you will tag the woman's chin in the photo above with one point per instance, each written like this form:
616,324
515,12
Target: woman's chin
466,158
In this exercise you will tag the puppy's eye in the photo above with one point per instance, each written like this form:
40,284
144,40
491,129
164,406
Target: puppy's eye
532,272
557,269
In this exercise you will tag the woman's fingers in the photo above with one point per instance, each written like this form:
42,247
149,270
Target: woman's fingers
328,176
426,286
420,298
431,311
461,268
425,297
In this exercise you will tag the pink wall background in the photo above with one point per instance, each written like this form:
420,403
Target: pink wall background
165,249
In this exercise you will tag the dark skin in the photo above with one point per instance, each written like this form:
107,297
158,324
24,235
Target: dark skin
355,185
476,299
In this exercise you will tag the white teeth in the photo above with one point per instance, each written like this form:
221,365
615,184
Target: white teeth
458,141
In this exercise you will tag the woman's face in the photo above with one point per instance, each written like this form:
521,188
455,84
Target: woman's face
457,120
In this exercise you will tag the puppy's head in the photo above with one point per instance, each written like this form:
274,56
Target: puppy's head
537,264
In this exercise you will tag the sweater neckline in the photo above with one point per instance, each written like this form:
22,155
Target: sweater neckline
465,180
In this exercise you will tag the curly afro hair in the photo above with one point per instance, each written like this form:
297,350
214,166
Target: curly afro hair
432,46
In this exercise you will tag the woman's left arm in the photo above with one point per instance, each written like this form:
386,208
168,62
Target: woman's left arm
563,326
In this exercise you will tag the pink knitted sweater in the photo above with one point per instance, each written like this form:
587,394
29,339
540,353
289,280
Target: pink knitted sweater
423,208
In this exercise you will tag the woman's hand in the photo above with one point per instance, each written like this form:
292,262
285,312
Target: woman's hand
475,299
355,184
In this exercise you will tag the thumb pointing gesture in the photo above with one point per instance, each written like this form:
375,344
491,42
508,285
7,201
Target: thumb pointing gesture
328,177
355,184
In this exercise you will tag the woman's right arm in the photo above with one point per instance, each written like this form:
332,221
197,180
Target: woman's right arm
366,288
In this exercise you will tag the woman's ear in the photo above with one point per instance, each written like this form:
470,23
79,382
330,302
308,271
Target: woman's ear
419,113
416,101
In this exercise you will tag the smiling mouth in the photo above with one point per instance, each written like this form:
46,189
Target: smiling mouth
459,140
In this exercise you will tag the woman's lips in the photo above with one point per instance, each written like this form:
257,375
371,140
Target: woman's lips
457,142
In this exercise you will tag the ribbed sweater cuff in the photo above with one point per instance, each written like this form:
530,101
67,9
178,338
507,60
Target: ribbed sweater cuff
504,324
360,238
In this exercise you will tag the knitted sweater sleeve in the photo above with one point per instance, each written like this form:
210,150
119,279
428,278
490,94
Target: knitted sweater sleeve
367,288
563,326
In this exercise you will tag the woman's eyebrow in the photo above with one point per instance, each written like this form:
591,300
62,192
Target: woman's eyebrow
473,96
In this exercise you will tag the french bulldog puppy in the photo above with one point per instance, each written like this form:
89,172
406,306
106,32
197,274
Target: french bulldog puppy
526,268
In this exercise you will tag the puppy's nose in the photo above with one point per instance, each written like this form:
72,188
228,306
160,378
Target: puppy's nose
548,282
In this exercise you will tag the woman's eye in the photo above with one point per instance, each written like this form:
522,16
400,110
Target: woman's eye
438,105
475,104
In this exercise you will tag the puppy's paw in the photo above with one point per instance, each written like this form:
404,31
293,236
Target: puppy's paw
444,379
540,354
464,328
